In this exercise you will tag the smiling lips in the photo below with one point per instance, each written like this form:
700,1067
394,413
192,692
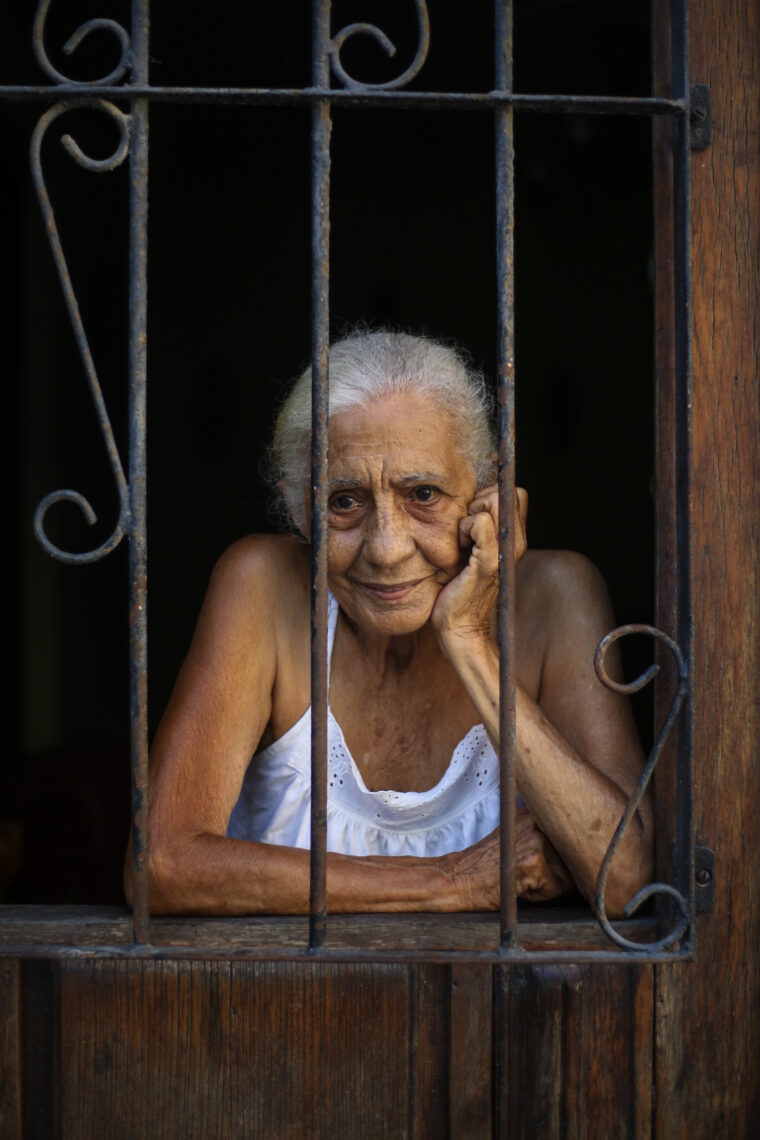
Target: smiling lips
395,593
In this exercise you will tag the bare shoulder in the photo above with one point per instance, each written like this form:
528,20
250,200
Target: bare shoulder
259,586
262,562
563,611
561,586
558,574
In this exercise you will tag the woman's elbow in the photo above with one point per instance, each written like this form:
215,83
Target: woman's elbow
629,873
166,881
169,878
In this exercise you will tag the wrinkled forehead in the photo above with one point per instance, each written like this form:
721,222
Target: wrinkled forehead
403,430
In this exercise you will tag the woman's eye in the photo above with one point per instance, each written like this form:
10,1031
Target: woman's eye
343,502
425,494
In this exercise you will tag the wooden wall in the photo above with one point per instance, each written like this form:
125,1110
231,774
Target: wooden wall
707,1061
217,1049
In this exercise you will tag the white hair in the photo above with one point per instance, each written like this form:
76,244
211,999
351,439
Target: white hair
368,365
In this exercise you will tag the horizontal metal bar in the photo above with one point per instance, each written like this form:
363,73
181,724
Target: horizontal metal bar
424,100
517,956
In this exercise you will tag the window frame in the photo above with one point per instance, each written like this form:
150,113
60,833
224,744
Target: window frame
32,931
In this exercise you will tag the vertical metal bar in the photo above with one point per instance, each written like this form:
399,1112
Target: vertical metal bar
320,340
665,509
138,612
684,856
504,150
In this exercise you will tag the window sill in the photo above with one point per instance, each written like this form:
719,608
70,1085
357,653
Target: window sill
550,933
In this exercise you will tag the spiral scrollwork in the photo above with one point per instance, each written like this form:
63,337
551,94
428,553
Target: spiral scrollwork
110,163
73,42
680,904
388,47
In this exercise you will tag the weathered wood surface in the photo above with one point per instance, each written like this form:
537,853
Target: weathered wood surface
10,1050
211,1049
471,1041
252,1049
574,1052
707,1014
50,927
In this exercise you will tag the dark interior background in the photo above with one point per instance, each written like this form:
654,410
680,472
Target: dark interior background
412,246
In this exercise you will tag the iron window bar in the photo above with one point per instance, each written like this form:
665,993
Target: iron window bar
502,102
421,100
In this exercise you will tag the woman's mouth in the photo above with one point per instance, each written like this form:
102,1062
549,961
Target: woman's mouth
392,593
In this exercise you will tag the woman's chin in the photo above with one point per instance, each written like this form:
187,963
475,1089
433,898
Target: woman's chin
398,624
392,613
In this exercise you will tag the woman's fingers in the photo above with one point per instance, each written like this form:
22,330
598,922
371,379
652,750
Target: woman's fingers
521,518
540,873
487,499
521,504
478,533
475,873
486,502
464,608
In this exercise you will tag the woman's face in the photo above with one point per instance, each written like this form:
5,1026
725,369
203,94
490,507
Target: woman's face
397,488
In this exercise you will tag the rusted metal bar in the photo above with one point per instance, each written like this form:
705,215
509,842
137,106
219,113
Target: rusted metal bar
320,347
365,97
682,922
414,68
138,554
504,146
684,845
133,140
73,42
80,335
518,955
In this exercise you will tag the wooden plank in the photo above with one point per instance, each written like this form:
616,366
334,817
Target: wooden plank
642,1003
427,1051
40,1029
10,1051
79,926
534,1050
199,1049
470,1058
619,1053
574,1053
707,1029
530,1029
575,1048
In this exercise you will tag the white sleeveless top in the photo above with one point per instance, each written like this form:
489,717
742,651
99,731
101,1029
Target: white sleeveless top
274,805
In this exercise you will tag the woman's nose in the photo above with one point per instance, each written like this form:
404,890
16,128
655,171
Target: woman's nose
389,538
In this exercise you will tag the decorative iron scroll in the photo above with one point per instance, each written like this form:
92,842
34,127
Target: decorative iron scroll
388,47
98,165
647,892
73,42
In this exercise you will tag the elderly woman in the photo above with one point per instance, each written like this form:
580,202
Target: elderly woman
413,804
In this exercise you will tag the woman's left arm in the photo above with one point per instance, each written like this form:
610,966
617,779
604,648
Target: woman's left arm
577,755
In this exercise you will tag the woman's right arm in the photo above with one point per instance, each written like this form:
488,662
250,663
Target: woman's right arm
218,712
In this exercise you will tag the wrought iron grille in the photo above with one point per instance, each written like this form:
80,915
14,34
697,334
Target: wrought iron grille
125,96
